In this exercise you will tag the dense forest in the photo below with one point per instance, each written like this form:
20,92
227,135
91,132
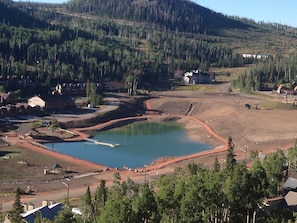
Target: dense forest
168,15
225,192
269,74
103,51
89,40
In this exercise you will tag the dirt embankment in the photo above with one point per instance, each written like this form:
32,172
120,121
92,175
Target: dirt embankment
208,117
129,106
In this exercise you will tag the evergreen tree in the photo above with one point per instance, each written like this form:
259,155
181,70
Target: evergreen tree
216,165
193,168
230,157
118,206
18,209
65,216
86,206
100,197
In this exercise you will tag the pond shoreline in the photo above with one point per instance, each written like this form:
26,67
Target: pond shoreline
80,134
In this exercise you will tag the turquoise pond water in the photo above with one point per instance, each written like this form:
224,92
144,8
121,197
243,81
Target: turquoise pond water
140,144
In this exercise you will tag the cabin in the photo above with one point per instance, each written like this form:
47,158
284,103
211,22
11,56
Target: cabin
23,131
197,77
282,89
52,102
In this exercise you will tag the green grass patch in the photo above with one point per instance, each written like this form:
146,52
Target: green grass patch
4,193
36,124
198,87
270,105
227,74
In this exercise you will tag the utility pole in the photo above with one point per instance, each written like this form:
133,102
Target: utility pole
67,185
145,173
245,151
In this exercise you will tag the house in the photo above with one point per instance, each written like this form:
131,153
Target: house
114,86
6,98
282,89
272,204
178,75
36,101
287,202
197,77
51,102
256,56
23,131
290,184
48,210
57,169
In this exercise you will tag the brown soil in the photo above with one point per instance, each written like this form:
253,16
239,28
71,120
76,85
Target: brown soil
208,117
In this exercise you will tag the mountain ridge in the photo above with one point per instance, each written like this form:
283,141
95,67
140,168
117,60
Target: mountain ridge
180,16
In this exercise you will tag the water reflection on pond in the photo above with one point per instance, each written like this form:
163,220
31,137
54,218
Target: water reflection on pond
140,144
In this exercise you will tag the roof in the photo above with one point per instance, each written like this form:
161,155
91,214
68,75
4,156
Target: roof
4,95
287,202
24,128
291,198
56,166
56,98
48,212
290,184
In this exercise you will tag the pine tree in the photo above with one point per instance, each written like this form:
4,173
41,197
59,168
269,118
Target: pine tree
230,157
15,213
64,216
100,197
216,165
87,207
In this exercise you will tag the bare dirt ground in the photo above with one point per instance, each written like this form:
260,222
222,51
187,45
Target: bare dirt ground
224,114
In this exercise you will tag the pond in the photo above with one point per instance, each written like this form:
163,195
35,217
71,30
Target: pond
139,144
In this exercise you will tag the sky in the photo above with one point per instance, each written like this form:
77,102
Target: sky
278,11
283,12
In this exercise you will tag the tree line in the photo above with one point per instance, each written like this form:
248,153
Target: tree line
104,51
269,74
226,192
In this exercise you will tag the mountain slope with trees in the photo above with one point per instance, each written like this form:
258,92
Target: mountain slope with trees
168,15
92,40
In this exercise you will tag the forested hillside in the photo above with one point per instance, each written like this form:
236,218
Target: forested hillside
164,15
14,17
139,41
